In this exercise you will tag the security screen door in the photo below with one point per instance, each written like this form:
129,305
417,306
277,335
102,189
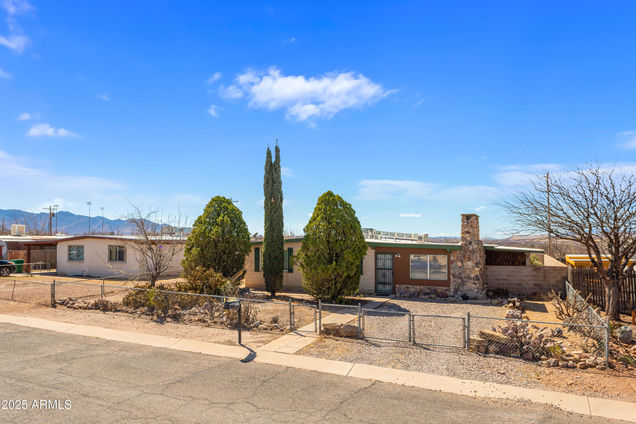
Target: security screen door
384,273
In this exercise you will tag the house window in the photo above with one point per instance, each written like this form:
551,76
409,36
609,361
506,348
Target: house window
116,253
257,259
429,267
287,266
76,253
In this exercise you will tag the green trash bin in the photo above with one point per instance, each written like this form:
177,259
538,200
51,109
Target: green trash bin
19,265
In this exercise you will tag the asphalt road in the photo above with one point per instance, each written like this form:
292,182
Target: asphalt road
109,381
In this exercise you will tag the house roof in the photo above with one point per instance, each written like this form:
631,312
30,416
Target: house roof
163,238
426,245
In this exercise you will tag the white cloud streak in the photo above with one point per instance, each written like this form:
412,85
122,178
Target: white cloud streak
4,75
45,130
419,190
410,215
302,98
213,111
214,78
15,40
627,140
25,116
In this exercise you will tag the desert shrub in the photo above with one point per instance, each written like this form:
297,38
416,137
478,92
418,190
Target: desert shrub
219,240
207,281
159,302
332,250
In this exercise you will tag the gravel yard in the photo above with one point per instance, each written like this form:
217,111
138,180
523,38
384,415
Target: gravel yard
456,361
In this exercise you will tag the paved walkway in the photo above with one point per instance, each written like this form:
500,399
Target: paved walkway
78,379
584,405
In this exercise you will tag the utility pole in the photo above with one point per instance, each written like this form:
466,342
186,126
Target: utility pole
89,217
55,207
50,219
102,208
547,183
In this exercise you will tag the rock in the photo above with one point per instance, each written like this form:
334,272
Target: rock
492,349
478,341
571,364
624,334
581,365
590,362
563,364
553,362
527,356
494,336
557,332
513,314
601,367
482,349
340,330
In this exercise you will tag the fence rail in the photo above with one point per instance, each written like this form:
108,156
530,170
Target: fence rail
589,283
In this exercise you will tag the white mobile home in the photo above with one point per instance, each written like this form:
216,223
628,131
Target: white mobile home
102,256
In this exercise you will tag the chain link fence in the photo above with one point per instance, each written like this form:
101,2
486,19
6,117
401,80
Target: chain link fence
530,340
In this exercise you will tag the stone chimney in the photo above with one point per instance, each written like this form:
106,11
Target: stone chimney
468,264
470,227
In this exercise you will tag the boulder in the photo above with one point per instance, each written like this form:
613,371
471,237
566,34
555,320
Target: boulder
493,336
581,365
624,334
553,362
340,330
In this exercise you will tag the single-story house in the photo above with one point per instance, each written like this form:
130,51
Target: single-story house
416,268
106,255
29,248
584,262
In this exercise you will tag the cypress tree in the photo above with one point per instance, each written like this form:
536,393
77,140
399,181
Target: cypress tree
274,243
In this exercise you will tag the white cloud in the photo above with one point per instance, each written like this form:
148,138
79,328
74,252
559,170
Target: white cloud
302,98
104,97
214,78
16,7
287,172
290,40
45,130
418,103
25,116
480,208
4,74
213,111
410,215
627,140
15,42
519,175
13,171
392,189
418,190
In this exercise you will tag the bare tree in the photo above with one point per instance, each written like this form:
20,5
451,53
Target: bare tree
595,207
156,245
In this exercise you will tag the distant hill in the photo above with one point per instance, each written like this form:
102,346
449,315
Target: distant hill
67,223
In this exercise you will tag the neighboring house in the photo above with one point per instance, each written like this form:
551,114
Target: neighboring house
412,268
584,262
102,256
29,248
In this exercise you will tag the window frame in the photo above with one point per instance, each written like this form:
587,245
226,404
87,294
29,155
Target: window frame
120,248
68,252
428,266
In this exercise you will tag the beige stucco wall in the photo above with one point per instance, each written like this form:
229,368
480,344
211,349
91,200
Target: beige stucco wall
96,264
526,279
293,281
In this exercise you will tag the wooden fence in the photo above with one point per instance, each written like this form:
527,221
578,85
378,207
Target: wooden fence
588,282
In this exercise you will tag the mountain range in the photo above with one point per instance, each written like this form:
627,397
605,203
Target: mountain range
64,223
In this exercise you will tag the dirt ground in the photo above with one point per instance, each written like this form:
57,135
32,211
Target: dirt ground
24,294
140,323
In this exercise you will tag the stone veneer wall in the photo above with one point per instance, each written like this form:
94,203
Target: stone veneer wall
468,265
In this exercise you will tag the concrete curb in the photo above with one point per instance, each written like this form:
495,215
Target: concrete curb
585,405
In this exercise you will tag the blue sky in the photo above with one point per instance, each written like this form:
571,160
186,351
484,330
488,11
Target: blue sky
414,112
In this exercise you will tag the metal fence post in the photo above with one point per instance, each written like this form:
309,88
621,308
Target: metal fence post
102,291
359,320
319,316
13,291
467,333
291,316
315,320
411,339
53,294
607,339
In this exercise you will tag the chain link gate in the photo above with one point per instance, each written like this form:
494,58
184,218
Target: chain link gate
438,330
387,325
